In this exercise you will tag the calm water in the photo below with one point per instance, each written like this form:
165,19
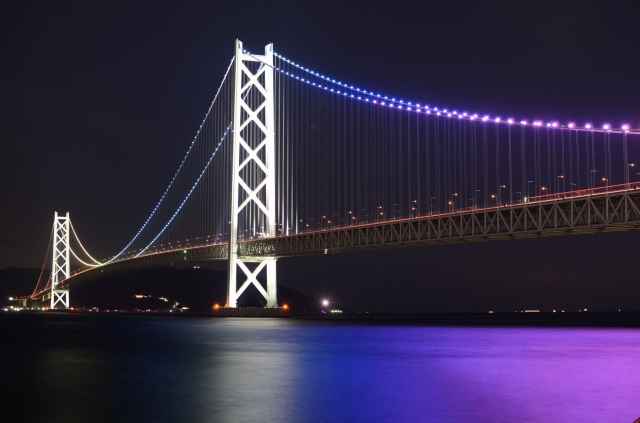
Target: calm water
95,368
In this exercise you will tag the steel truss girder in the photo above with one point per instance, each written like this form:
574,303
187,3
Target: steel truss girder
612,212
252,160
616,211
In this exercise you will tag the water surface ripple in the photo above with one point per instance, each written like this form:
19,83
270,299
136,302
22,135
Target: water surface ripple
105,368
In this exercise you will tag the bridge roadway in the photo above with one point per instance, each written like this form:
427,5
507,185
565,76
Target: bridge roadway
582,212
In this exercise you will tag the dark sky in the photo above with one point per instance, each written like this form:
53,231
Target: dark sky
101,99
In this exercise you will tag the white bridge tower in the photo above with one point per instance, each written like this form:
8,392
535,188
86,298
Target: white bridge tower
60,268
253,153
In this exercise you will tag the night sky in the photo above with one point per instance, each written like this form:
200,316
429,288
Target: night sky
100,101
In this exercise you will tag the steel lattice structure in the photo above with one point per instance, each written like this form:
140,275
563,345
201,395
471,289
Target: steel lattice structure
61,264
608,212
253,154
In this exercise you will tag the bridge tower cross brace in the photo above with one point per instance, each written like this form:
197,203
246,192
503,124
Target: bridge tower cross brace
60,267
246,154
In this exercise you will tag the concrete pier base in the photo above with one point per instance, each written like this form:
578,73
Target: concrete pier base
251,312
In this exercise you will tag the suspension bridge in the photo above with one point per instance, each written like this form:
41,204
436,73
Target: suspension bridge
289,161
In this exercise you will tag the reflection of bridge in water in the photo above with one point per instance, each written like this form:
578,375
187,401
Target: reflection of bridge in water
290,162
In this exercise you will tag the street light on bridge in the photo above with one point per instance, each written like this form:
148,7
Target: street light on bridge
558,184
606,183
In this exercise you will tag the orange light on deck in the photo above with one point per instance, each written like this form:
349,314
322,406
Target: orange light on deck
216,306
285,306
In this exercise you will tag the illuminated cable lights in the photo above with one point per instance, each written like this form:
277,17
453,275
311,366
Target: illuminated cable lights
189,193
81,246
419,109
81,261
153,212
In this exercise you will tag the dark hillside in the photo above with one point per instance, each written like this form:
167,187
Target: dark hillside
196,288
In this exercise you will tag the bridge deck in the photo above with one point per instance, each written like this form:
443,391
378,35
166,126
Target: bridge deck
615,211
604,212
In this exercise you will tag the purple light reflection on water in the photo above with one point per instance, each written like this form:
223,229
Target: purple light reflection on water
78,368
445,374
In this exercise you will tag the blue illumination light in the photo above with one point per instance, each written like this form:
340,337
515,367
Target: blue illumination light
164,195
190,191
446,112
